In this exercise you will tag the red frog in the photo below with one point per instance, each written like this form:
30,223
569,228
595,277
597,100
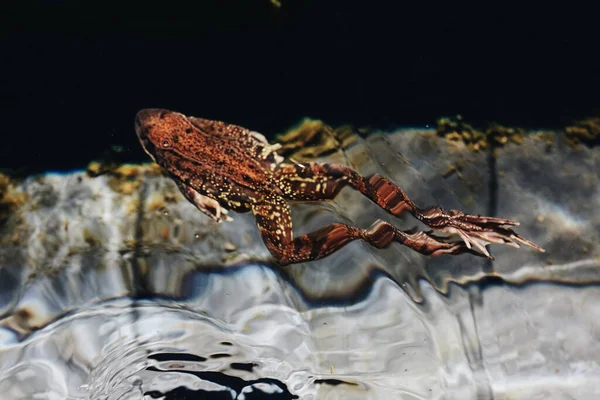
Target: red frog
220,167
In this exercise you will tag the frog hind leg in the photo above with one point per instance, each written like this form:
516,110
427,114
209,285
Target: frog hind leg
275,225
315,182
207,205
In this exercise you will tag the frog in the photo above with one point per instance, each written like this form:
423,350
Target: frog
221,167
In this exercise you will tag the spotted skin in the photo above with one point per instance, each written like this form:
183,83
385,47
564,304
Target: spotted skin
220,167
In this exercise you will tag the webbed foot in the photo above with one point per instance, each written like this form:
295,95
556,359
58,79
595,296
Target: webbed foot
476,231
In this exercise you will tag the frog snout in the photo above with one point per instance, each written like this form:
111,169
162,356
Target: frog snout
143,117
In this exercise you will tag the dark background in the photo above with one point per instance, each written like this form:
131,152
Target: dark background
73,74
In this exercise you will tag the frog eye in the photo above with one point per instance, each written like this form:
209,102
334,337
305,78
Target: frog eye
166,143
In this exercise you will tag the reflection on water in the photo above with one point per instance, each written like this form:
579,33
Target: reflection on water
248,334
259,335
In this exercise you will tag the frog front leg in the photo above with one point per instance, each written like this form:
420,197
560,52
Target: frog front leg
314,182
207,205
275,225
